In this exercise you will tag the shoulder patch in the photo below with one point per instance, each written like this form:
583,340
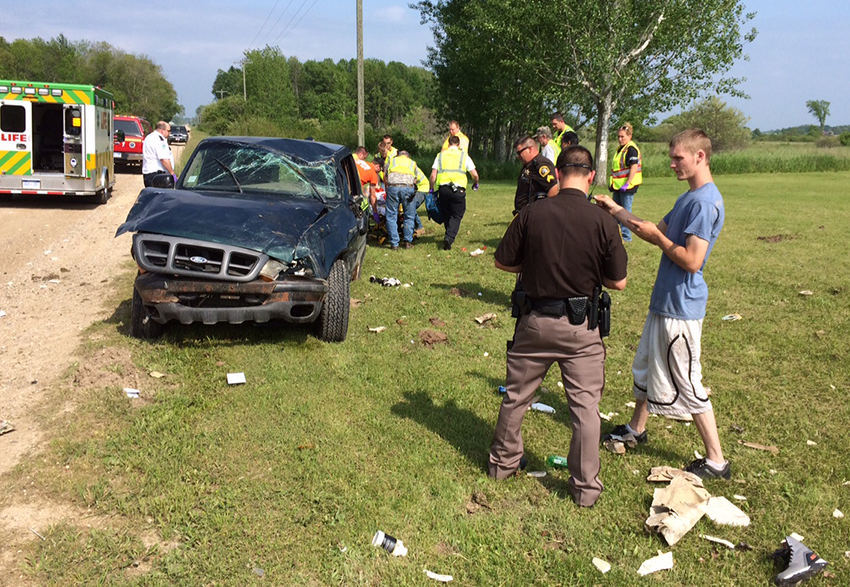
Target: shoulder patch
544,170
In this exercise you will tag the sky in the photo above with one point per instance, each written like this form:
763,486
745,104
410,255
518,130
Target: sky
802,51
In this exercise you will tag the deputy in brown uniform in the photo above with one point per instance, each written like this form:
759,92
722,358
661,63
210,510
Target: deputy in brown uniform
537,177
565,250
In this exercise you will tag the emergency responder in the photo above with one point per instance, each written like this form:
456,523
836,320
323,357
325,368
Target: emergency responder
448,175
391,151
422,187
568,139
548,147
626,174
454,131
562,270
559,127
537,177
400,179
368,180
157,157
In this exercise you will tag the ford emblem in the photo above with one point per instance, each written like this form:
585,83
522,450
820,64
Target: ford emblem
198,260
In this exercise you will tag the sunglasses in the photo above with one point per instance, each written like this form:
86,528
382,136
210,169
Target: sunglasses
519,153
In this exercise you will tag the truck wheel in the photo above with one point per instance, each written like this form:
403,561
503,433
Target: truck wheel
141,326
332,324
100,198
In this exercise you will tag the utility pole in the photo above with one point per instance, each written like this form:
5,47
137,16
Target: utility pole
221,93
361,119
243,63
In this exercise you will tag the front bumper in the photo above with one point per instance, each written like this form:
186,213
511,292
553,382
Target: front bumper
123,156
295,299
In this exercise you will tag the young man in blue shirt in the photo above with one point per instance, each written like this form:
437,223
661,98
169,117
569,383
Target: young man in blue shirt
667,371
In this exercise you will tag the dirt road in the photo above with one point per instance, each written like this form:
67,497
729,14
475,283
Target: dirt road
58,259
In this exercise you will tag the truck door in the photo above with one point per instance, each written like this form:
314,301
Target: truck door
74,138
15,137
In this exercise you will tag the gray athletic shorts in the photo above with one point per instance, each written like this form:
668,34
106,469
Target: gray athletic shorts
666,370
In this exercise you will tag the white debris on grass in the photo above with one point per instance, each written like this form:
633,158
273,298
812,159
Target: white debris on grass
131,393
740,497
236,378
663,561
797,537
837,514
722,511
811,443
603,565
436,577
717,540
539,407
377,329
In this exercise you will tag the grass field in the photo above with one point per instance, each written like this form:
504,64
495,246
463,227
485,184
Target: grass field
284,480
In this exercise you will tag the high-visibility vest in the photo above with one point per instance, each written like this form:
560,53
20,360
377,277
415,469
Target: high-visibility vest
422,182
451,167
620,171
464,142
401,170
557,137
392,152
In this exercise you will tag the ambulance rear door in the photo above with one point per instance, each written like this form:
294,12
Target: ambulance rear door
16,139
74,139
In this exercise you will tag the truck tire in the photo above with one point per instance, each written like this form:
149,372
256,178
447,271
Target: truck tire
332,323
141,326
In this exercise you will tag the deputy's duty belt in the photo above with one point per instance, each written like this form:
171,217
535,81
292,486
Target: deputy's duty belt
574,308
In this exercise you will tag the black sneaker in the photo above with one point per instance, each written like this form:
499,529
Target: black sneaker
622,434
703,470
447,246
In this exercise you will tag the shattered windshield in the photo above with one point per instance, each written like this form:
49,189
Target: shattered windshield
243,168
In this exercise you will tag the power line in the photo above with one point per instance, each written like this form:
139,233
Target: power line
277,21
286,32
251,44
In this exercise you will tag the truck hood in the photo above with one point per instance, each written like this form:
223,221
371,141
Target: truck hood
264,223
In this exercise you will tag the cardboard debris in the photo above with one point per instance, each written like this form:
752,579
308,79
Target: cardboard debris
236,378
436,577
717,540
676,509
485,317
758,446
156,374
662,562
603,565
378,329
722,511
665,474
615,446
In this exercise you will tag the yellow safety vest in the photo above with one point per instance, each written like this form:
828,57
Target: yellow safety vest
422,183
392,152
401,170
620,171
451,167
557,138
464,142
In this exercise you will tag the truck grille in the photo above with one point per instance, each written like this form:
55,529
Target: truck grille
192,258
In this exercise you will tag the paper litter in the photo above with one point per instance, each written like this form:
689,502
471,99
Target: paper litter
663,561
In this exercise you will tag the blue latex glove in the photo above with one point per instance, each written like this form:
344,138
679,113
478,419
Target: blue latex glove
475,187
376,218
624,188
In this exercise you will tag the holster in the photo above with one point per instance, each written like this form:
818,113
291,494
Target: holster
604,314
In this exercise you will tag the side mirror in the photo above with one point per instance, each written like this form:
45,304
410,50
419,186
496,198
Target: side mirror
119,136
163,181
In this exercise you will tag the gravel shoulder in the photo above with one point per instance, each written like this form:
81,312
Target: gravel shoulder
58,261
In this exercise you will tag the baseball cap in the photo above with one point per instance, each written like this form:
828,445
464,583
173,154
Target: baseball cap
543,131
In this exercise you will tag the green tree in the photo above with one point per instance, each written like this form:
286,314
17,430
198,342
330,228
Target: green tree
227,83
724,124
820,110
605,58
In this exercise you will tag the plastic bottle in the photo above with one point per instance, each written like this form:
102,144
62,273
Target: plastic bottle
557,462
389,543
538,407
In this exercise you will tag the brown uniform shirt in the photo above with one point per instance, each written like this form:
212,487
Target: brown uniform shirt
565,245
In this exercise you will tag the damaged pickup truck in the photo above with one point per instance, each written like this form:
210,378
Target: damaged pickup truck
256,229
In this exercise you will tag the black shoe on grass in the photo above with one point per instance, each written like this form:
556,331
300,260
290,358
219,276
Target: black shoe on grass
703,470
622,434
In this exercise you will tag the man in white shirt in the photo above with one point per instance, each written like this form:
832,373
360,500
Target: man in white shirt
156,154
